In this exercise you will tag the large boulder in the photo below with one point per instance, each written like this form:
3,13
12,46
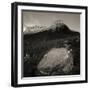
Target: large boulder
57,61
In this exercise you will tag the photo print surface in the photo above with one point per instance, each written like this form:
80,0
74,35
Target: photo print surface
51,43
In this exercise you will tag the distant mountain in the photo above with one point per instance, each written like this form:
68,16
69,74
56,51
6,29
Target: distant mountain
60,31
34,29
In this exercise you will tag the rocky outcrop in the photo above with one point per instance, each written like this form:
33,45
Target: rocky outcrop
57,61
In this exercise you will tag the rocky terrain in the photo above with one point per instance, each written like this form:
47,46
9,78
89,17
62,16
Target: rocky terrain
52,52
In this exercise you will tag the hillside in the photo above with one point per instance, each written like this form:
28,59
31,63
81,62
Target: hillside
36,45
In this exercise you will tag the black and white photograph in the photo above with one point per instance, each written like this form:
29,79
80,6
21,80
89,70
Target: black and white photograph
49,44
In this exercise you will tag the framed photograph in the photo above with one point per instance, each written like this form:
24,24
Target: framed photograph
49,44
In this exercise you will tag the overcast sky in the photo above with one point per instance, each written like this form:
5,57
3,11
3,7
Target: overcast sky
31,18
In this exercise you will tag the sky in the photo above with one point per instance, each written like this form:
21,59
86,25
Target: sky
31,18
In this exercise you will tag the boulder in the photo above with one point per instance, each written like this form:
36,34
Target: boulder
57,61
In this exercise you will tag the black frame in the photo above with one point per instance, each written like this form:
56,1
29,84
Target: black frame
14,42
